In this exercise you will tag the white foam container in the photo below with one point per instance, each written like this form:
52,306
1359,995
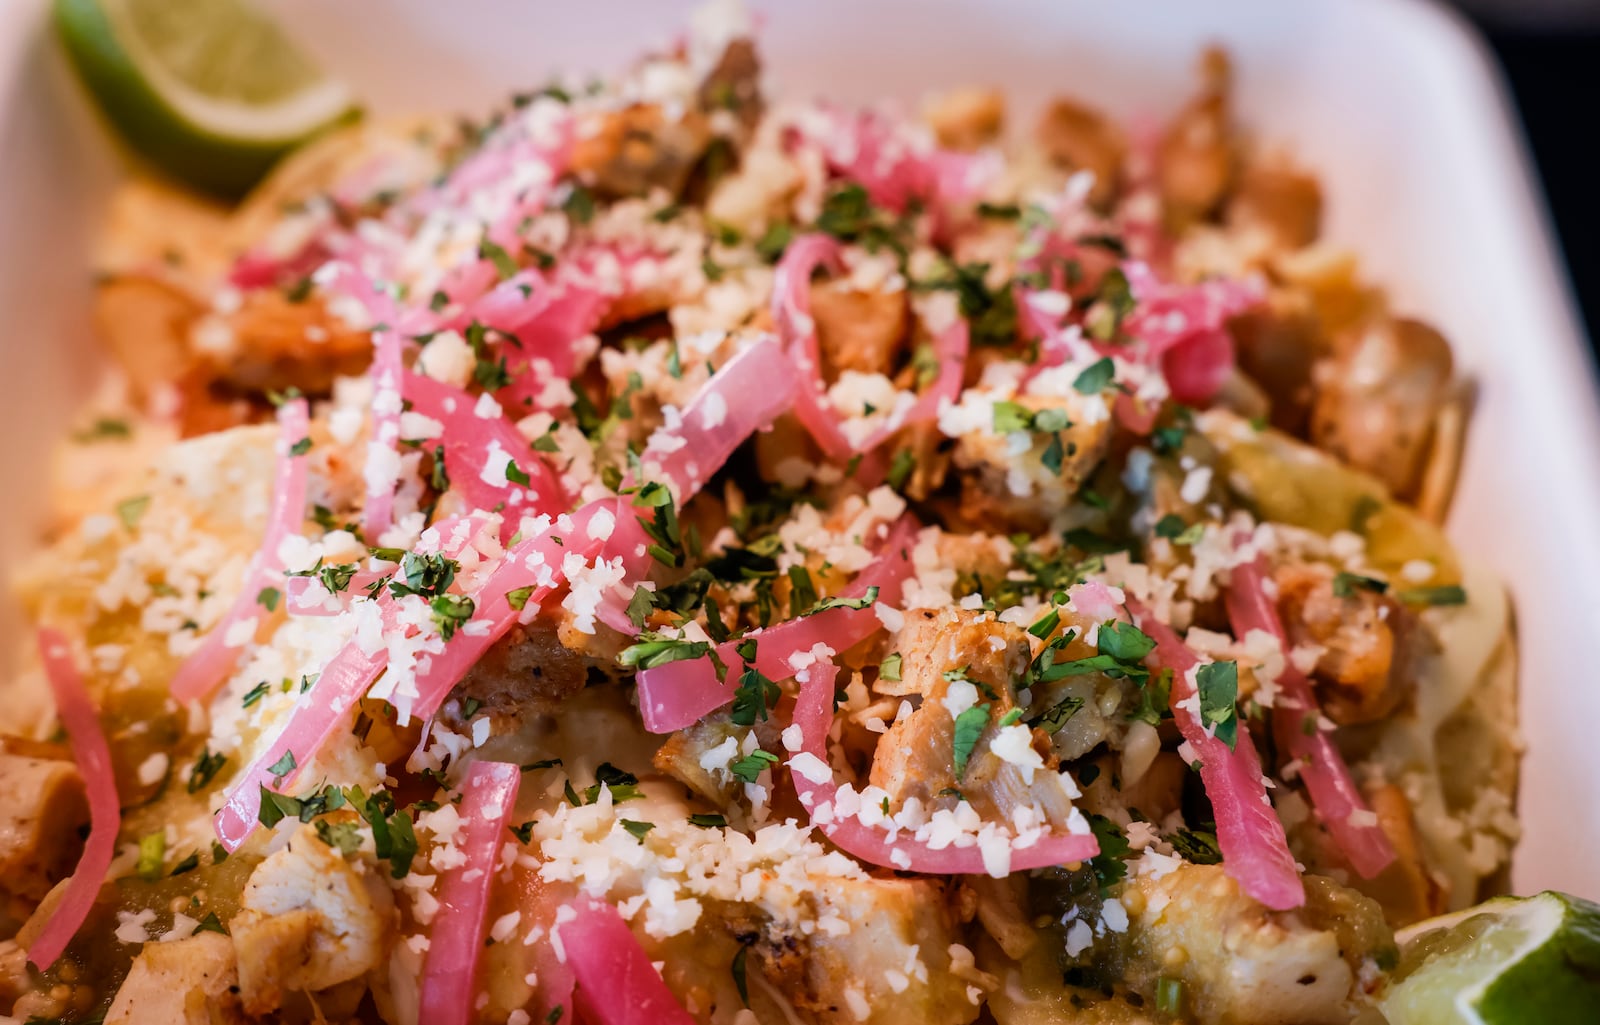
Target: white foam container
1394,102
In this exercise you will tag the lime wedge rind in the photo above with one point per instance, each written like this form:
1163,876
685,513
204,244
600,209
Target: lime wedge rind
220,144
1506,962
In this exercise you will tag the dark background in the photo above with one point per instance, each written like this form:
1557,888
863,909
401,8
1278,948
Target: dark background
1550,52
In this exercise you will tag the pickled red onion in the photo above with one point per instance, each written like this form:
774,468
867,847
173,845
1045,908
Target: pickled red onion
534,563
208,664
616,982
383,459
1333,790
479,450
93,756
449,983
320,712
791,310
742,397
1255,851
813,713
679,694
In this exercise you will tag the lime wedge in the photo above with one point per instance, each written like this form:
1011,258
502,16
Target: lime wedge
211,91
1508,961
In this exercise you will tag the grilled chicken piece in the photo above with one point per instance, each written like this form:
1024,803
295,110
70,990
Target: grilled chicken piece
1378,398
1079,138
191,981
1245,965
1195,162
310,919
145,322
887,961
680,757
965,119
735,84
1406,889
39,822
526,674
628,152
1011,492
1279,200
1280,342
915,758
1370,642
271,343
858,329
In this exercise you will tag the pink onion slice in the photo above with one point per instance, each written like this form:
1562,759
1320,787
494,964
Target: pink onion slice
211,662
813,713
616,983
383,456
305,596
449,983
791,311
90,751
1333,790
323,709
1255,850
680,694
535,564
1182,328
478,451
742,397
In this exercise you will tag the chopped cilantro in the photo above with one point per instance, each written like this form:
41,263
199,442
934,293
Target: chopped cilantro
750,766
1058,714
1345,585
969,726
131,510
1096,377
205,769
637,829
1218,683
1448,594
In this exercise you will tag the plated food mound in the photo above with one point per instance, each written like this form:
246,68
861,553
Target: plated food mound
669,553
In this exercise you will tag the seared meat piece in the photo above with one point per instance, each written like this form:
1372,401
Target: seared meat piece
39,820
916,757
1379,397
1079,138
1195,163
191,981
1370,642
858,329
310,920
965,119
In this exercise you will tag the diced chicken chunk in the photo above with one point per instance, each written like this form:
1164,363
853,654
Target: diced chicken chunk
1195,162
885,960
916,757
1006,490
965,119
310,920
272,343
1280,342
630,151
1278,199
1378,398
1365,669
1079,138
1243,964
191,981
858,329
39,820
